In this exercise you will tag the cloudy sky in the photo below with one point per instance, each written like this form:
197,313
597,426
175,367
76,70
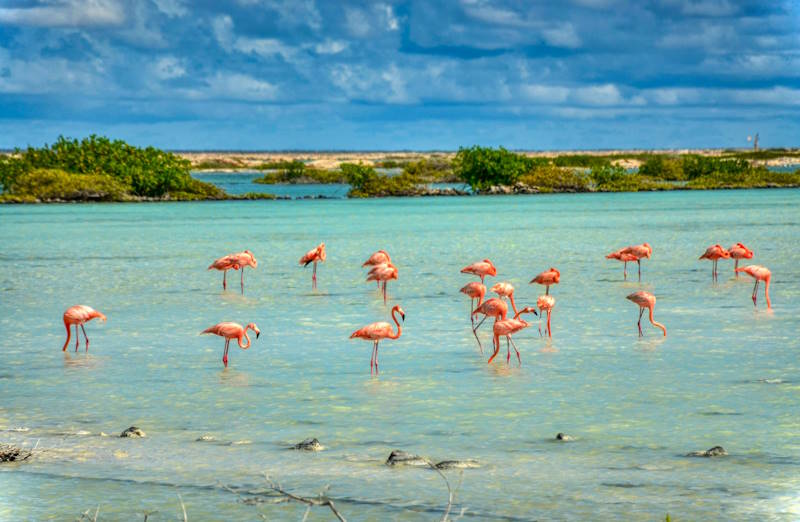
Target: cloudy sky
330,74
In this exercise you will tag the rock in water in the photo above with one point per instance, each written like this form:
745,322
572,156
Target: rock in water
309,445
133,432
458,464
13,454
564,437
402,458
716,451
205,438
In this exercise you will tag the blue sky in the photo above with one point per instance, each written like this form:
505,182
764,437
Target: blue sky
306,74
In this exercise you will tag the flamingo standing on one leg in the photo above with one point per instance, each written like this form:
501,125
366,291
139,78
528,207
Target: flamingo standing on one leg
474,290
78,315
376,332
625,258
759,273
547,278
383,274
315,255
646,300
381,257
234,262
507,328
545,303
505,290
715,253
480,269
232,331
737,252
640,252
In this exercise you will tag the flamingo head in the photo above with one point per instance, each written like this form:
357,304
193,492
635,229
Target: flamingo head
492,269
253,327
527,310
321,252
649,250
400,311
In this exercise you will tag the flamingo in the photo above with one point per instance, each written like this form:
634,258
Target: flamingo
507,327
545,303
639,251
78,315
547,278
759,273
625,258
646,300
492,307
480,269
737,252
383,273
230,331
315,255
234,262
505,290
376,332
715,253
474,290
381,257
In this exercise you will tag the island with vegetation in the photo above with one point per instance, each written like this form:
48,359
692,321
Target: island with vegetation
98,169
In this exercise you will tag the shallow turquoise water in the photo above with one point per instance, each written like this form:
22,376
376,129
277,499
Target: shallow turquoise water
726,374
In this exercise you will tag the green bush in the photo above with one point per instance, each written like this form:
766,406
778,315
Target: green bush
50,184
483,167
663,168
581,160
614,179
298,172
365,182
549,178
434,170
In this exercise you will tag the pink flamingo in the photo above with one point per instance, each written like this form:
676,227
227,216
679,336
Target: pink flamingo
381,257
474,290
737,252
383,273
646,300
759,273
315,255
508,327
715,253
547,278
625,258
640,252
232,331
545,303
234,262
480,269
376,332
78,315
505,290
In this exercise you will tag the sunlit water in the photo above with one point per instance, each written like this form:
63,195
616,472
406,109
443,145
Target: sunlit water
726,374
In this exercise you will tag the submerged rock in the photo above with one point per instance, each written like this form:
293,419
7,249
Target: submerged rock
205,438
133,432
716,451
10,453
402,458
458,464
564,437
309,445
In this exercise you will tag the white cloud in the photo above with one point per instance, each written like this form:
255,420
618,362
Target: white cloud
358,23
168,68
563,35
66,13
172,8
222,27
607,94
331,46
227,85
545,93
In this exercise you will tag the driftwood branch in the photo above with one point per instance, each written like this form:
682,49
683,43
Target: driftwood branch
321,500
451,493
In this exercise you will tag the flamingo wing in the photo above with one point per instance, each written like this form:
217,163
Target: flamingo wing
373,332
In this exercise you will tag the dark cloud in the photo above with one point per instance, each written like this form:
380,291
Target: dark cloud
409,74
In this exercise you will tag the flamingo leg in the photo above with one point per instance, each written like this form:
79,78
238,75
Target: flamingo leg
735,266
519,360
625,271
314,277
225,355
384,292
224,279
242,280
372,357
547,290
549,333
508,351
496,346
540,322
639,324
638,262
77,337
85,337
755,293
376,357
480,323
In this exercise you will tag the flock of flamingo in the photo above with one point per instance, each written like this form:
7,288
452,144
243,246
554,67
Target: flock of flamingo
382,270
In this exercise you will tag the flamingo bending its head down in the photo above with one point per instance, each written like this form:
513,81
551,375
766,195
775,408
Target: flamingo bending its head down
480,269
508,327
646,300
547,278
545,303
759,273
381,257
625,258
383,274
639,252
376,332
235,261
230,331
505,290
315,255
78,315
737,252
715,253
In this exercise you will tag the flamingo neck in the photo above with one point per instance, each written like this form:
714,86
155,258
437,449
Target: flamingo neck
657,324
766,292
244,346
513,304
399,328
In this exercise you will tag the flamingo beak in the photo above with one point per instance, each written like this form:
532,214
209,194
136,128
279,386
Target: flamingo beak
257,334
403,317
